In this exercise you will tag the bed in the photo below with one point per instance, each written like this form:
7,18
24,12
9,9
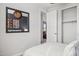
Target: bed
53,49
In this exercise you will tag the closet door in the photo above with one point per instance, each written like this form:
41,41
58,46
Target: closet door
52,26
69,24
69,33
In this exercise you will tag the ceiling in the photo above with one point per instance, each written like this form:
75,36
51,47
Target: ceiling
46,5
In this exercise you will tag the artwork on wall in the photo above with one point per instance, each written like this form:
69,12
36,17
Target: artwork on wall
16,21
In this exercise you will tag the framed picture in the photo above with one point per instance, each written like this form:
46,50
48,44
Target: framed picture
16,21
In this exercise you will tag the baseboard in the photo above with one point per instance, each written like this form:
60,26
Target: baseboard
19,54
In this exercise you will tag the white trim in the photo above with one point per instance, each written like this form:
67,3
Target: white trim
18,54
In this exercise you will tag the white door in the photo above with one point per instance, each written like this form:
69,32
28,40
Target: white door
69,24
52,26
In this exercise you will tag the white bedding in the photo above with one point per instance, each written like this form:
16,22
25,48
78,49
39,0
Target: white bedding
46,49
70,49
53,49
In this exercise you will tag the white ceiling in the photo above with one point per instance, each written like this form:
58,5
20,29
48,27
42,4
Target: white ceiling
46,5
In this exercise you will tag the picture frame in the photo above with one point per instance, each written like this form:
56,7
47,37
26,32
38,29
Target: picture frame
16,21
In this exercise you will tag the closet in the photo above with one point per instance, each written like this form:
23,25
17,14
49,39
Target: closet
69,24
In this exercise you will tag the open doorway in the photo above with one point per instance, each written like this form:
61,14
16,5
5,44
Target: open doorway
43,27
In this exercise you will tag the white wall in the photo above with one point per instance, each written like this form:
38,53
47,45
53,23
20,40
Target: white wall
13,43
60,7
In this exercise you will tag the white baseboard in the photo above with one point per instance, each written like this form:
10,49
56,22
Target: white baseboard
19,54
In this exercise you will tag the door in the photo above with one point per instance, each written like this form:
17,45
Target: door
52,26
69,24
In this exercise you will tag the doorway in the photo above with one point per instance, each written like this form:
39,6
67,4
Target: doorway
43,27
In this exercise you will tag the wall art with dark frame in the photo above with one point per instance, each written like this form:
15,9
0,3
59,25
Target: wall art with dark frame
16,21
